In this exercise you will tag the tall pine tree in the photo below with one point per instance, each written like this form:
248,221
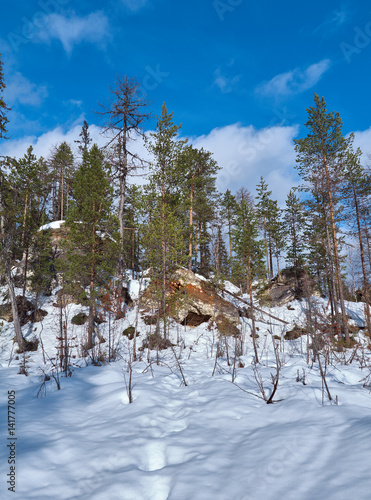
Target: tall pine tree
320,160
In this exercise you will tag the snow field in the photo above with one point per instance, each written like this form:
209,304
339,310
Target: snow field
209,440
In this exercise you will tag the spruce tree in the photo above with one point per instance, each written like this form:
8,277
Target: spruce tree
85,139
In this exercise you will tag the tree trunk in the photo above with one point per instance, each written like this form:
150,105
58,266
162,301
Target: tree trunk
333,291
24,221
253,328
230,244
266,247
191,230
123,177
62,193
163,246
13,301
270,256
365,280
92,298
336,255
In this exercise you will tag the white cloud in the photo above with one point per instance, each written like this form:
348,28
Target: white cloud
362,140
243,153
224,83
295,81
44,143
72,30
21,90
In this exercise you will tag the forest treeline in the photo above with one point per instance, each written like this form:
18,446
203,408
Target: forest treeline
178,218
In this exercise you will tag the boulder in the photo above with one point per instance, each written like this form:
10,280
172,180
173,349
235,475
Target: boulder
25,306
191,300
286,287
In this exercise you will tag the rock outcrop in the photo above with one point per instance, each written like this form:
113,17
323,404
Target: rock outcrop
286,287
26,311
191,300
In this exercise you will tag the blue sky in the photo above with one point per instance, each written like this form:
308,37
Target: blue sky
237,74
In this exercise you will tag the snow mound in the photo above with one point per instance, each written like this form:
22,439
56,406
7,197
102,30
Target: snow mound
57,224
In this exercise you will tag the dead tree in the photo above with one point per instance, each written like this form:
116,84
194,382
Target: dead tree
122,118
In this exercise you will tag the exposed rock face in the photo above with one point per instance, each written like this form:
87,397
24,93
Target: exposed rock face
29,311
286,287
191,300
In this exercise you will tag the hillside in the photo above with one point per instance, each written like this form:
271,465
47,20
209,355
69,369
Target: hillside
208,439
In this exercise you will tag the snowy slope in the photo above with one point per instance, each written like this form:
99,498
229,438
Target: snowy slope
208,440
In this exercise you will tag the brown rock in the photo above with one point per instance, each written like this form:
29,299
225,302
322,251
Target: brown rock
191,300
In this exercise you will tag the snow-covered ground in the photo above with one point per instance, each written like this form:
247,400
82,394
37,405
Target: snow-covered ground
208,440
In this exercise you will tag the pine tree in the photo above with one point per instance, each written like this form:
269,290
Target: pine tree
62,169
249,252
294,223
6,223
3,107
198,170
355,190
8,228
269,216
229,212
41,264
164,180
90,247
263,196
276,231
133,207
320,162
28,177
220,259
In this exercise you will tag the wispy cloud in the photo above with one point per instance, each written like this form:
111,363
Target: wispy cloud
134,5
20,90
72,29
225,83
295,81
336,19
